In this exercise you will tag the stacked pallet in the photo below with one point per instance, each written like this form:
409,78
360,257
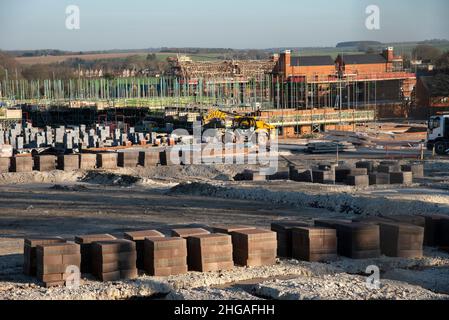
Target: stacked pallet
139,237
56,262
128,159
254,247
148,158
85,242
283,231
358,240
29,252
210,252
165,256
330,147
21,164
314,244
401,240
69,162
88,161
107,160
114,260
45,163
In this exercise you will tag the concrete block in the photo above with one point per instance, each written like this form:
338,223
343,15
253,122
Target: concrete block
107,160
168,158
88,161
5,165
368,165
21,164
401,177
188,232
210,252
416,169
323,177
254,247
69,162
128,159
358,240
283,231
29,252
379,178
228,229
165,256
388,168
401,240
138,237
85,242
149,158
314,244
358,181
45,162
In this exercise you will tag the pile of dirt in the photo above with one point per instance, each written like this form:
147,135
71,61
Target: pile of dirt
109,178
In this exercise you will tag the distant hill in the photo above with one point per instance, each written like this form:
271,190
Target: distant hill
352,44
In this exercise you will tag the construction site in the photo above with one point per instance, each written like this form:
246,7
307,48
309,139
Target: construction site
285,179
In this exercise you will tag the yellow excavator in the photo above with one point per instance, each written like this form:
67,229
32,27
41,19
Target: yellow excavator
235,124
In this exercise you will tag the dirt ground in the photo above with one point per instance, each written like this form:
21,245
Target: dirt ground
69,204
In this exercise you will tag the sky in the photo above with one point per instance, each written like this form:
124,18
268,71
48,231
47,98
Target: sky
136,24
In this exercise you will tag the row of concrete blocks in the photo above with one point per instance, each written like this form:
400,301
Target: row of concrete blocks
395,236
364,174
110,259
84,161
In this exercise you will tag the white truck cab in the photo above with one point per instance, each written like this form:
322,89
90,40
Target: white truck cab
438,134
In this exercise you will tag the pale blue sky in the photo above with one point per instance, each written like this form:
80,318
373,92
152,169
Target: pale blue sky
132,24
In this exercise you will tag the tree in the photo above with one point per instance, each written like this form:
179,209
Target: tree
426,52
443,61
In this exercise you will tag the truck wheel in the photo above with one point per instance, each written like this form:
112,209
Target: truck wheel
440,148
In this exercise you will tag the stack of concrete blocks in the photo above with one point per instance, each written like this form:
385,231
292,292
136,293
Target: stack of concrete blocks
29,252
149,158
21,164
5,164
357,240
401,240
165,256
85,242
283,231
436,232
139,237
69,162
415,168
314,244
210,252
114,260
255,247
57,262
324,174
358,177
88,161
186,233
45,163
401,178
107,160
128,159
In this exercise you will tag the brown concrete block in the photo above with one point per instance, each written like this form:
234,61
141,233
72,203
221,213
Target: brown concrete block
69,162
431,229
167,158
368,165
401,240
138,237
30,252
71,259
85,242
253,247
401,177
163,255
188,232
416,169
45,163
107,160
314,244
90,238
113,257
110,276
358,240
113,246
283,231
228,229
58,249
208,252
129,274
169,271
149,158
341,173
323,177
5,164
388,168
170,262
21,164
379,178
128,159
358,181
88,161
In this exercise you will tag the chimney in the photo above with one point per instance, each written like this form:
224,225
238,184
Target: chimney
389,54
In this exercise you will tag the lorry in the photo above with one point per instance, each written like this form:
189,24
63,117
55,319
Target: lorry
438,134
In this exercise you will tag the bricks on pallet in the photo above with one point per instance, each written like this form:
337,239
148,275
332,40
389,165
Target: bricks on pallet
138,237
45,162
169,157
255,247
5,165
323,177
283,231
29,252
401,178
388,168
69,162
149,158
188,232
107,160
416,169
314,244
358,181
358,240
379,178
88,161
85,242
128,159
210,252
368,165
55,262
401,240
21,164
114,260
165,256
